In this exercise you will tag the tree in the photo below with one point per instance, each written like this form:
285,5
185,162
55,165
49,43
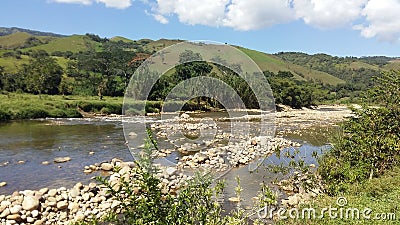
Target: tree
41,75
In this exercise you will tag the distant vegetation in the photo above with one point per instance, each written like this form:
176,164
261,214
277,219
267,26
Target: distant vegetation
89,65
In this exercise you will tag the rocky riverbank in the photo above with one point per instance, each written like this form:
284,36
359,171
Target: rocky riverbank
57,206
224,151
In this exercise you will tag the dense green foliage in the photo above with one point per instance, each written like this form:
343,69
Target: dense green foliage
357,72
28,106
296,93
369,144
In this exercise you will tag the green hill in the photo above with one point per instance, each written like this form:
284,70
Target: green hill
274,64
119,38
319,67
14,40
74,43
11,30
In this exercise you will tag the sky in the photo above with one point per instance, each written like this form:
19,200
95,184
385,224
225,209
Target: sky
335,27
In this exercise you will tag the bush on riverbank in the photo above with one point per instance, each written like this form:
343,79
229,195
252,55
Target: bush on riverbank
28,106
369,145
4,115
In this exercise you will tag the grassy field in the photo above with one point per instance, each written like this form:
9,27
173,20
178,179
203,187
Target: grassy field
19,40
12,64
274,64
28,106
74,43
119,38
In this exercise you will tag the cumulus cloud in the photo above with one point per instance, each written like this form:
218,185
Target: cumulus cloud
119,4
373,18
382,20
256,14
328,13
160,18
205,12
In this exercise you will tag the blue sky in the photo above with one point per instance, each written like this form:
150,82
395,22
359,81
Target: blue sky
336,27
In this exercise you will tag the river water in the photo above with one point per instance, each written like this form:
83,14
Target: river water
24,145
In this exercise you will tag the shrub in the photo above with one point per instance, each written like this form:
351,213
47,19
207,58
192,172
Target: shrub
143,201
31,113
4,115
369,144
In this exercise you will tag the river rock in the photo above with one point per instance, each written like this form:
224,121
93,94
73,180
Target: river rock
52,192
5,203
15,209
62,159
62,205
45,163
185,116
73,206
106,166
15,217
2,184
234,199
293,200
74,193
34,213
30,219
79,216
43,191
5,213
171,170
132,134
30,203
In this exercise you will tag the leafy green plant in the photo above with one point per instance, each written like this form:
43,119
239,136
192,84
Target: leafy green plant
369,144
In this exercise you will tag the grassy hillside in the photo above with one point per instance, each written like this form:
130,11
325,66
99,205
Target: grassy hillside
320,67
393,65
11,64
274,64
14,40
74,43
119,38
153,46
22,40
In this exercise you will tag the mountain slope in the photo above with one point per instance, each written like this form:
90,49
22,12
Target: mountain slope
319,67
12,30
274,64
74,43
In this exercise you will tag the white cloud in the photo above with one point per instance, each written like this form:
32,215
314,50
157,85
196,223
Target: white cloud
383,20
376,18
160,18
256,14
205,12
119,4
328,13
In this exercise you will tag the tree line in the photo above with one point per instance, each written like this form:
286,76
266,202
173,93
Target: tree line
108,72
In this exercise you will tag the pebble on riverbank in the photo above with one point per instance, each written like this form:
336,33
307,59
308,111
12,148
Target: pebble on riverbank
62,159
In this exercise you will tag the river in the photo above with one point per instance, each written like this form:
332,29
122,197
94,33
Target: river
25,145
